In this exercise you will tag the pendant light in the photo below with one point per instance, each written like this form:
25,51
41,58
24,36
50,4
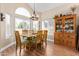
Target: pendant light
34,15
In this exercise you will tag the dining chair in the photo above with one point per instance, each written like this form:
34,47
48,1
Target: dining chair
29,42
30,39
19,44
39,38
24,31
45,37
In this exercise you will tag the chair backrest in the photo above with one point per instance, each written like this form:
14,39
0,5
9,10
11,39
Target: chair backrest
30,32
18,39
40,32
45,34
24,31
39,36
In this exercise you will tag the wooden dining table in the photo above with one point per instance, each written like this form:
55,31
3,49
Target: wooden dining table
33,38
25,37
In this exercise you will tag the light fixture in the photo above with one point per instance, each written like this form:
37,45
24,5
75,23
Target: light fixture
2,16
73,8
34,15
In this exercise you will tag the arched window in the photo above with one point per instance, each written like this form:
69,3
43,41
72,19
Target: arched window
22,23
22,11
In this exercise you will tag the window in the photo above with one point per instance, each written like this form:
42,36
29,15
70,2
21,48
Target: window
22,11
44,24
22,24
7,25
35,25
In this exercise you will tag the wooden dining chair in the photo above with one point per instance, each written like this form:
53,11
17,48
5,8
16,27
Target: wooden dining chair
29,43
24,31
18,42
45,37
39,38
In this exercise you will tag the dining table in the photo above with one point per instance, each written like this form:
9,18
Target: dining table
28,38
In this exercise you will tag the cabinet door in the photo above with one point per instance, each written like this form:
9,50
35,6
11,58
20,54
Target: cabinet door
69,40
73,43
58,25
66,38
61,36
58,38
70,43
73,40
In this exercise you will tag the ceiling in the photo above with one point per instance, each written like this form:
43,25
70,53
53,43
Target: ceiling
40,7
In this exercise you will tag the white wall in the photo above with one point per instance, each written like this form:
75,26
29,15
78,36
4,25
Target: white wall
10,8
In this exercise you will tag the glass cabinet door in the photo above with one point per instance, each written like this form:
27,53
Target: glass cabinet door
69,25
59,25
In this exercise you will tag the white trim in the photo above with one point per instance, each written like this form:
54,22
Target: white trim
2,49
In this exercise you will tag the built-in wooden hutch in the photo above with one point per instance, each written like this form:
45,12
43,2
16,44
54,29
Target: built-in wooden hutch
65,30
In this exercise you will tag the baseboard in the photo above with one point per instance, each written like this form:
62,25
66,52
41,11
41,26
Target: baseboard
2,49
